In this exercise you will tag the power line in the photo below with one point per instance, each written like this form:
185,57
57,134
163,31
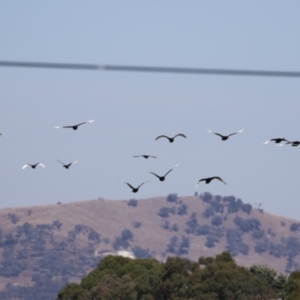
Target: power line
149,69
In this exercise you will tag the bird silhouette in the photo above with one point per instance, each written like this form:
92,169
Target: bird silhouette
33,166
276,140
225,137
134,190
75,127
3,135
145,156
171,139
68,165
293,144
209,179
161,178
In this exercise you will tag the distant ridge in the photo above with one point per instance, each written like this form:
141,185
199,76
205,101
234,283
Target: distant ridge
63,242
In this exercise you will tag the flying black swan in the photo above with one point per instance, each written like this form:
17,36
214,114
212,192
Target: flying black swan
293,144
33,166
209,179
225,137
171,139
75,127
145,156
277,140
68,165
162,178
134,190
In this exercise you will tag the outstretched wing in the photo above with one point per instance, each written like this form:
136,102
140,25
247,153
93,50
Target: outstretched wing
266,142
57,127
160,136
91,121
127,184
215,133
171,170
3,135
236,132
61,162
39,164
142,184
200,181
74,162
179,134
25,166
151,173
219,178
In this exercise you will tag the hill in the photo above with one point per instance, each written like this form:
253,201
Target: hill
44,247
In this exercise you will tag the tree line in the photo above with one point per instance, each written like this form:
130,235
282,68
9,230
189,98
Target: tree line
210,278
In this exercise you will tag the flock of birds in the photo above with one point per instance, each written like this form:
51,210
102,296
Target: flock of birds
278,141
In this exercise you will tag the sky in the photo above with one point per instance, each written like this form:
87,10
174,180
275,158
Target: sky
132,109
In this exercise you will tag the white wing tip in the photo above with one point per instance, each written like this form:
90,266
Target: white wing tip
266,142
57,127
91,121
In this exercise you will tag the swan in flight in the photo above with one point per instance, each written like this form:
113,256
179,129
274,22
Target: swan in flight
225,137
276,141
171,139
162,178
68,165
134,190
209,179
33,166
145,156
75,127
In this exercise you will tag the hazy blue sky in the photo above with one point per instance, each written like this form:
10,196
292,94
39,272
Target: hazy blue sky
131,109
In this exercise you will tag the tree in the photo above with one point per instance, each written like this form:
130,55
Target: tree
292,287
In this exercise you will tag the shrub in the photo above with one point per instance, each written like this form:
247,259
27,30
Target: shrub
294,227
261,247
166,224
247,208
175,227
137,224
172,198
216,221
192,223
140,252
13,218
247,225
126,235
210,241
209,211
258,234
217,206
202,230
182,210
132,202
184,245
165,211
206,197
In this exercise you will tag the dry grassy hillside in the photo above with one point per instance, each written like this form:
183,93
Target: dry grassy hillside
66,241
